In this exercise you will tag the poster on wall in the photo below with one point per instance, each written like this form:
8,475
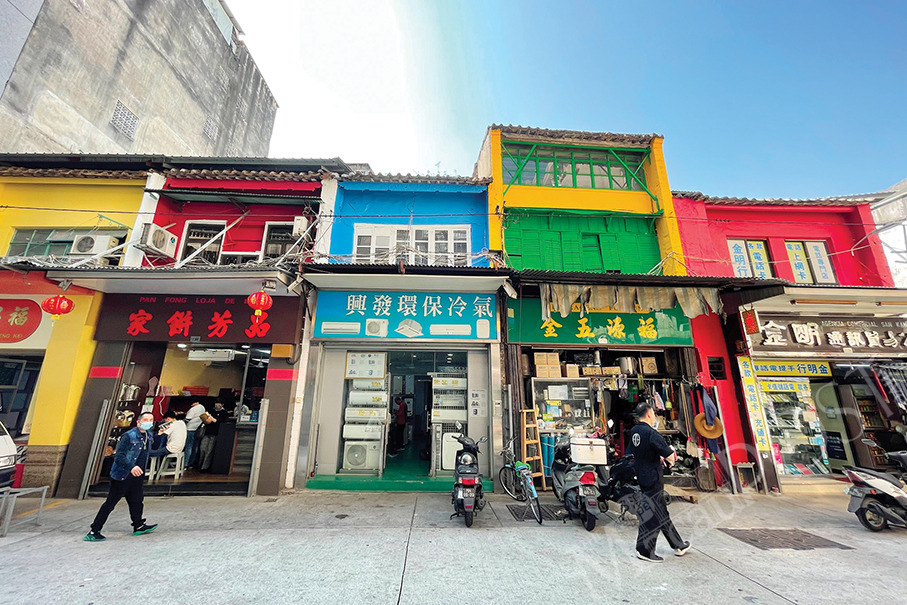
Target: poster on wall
598,326
406,315
366,365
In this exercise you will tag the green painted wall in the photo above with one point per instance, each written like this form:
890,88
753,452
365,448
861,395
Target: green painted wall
564,242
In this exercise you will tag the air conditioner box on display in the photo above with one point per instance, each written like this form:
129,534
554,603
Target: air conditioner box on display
368,399
157,241
369,384
92,244
449,448
361,455
369,415
212,355
362,431
449,415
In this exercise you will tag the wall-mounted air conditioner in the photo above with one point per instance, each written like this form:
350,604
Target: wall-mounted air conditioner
340,327
300,224
92,244
157,241
221,355
450,329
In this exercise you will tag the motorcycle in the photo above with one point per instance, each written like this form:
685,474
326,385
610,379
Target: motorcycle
467,497
878,498
575,485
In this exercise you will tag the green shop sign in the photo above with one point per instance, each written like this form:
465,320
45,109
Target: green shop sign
525,324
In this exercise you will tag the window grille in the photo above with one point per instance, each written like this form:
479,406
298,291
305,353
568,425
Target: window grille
124,120
210,129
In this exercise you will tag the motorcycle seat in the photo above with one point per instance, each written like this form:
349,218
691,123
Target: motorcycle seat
884,476
899,458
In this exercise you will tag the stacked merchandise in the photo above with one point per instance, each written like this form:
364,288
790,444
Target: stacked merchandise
448,408
365,420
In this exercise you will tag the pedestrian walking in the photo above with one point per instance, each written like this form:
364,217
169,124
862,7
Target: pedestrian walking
127,476
650,453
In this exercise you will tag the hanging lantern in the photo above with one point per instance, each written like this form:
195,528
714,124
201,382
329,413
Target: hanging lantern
57,305
260,301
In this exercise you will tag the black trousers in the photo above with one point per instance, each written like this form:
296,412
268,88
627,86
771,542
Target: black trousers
654,518
131,488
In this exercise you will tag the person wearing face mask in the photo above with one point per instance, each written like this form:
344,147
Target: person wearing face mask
127,476
212,429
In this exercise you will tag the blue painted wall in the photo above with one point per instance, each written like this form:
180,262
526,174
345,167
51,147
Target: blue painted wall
409,203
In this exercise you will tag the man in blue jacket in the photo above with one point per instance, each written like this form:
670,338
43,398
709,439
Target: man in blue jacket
127,477
650,453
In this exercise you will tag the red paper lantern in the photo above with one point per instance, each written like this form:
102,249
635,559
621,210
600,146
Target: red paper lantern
260,301
57,305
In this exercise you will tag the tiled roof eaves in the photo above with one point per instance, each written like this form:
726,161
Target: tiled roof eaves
413,178
72,173
842,200
244,175
611,138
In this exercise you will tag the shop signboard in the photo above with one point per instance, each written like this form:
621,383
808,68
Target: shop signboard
406,315
23,325
792,367
829,336
366,365
202,319
754,405
599,326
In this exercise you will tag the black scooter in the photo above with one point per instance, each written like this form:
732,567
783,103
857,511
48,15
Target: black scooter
467,497
620,486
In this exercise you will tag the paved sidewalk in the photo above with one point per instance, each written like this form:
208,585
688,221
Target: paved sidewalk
386,548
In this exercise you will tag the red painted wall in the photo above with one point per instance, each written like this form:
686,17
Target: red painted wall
709,339
705,229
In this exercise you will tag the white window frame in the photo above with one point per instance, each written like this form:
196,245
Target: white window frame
410,256
184,240
264,235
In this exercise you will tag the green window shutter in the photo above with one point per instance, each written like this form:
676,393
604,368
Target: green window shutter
592,253
572,251
532,249
551,251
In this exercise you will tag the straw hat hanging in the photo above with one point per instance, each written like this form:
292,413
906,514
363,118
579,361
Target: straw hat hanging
712,431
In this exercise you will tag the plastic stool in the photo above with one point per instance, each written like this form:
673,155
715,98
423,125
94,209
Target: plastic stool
168,470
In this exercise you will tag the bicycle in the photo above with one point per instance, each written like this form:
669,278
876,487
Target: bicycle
516,478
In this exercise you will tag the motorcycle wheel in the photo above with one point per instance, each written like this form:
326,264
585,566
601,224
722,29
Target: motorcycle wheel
470,517
603,506
871,521
588,520
511,483
536,509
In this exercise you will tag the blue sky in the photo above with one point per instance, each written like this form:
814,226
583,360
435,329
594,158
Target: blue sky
775,99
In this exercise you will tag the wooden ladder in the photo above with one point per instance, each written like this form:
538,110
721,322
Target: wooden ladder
530,422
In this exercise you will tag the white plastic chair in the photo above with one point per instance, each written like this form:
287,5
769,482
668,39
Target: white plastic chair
166,469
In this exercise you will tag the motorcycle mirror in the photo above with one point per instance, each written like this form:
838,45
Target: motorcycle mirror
483,439
459,426
870,442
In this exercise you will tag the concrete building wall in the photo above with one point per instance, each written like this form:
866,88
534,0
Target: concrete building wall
165,62
16,20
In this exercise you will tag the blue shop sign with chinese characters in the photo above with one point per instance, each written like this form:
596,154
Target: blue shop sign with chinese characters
406,315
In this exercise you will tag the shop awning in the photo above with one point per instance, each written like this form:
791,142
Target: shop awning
195,280
862,300
404,277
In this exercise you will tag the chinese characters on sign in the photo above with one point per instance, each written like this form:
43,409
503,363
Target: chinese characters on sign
406,315
799,263
525,324
19,319
790,367
197,319
821,265
882,337
754,405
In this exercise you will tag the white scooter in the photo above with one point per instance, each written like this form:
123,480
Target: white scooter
878,498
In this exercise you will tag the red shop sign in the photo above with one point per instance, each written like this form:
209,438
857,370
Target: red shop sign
184,318
19,318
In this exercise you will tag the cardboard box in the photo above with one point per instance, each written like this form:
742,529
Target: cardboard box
554,359
571,370
591,371
611,370
540,359
649,365
546,371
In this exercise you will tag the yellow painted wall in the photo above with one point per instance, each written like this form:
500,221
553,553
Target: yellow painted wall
64,203
179,372
634,202
64,372
84,198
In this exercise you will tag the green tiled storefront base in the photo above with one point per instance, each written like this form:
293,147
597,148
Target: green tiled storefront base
360,483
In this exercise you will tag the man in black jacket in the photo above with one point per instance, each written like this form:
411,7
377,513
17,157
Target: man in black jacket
650,452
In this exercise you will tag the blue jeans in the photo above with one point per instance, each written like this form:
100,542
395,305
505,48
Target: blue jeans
191,449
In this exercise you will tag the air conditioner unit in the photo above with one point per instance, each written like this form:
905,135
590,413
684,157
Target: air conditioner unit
157,241
409,328
340,327
221,355
450,329
369,384
376,327
365,415
92,244
361,455
449,448
449,415
368,399
300,224
363,432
